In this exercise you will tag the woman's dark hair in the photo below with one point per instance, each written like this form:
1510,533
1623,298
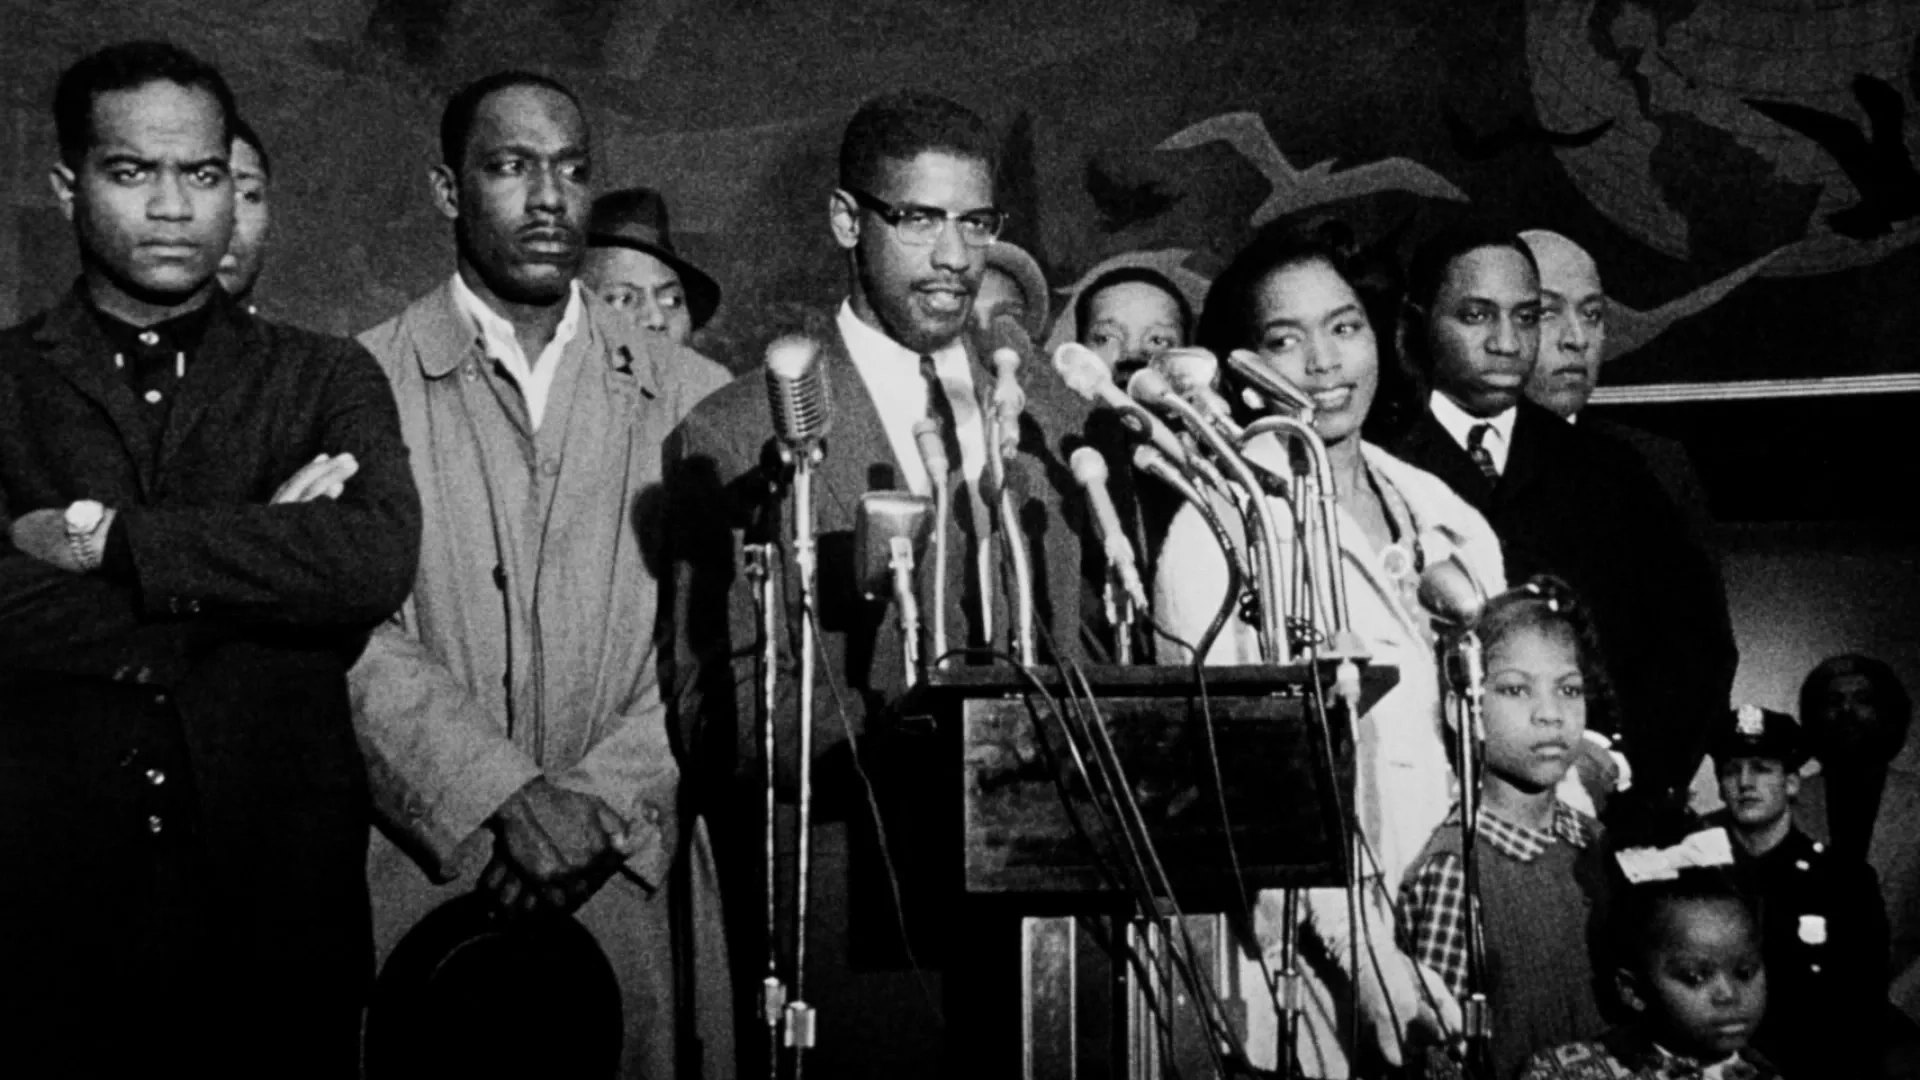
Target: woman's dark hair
1890,698
1227,319
1549,605
1125,275
1640,910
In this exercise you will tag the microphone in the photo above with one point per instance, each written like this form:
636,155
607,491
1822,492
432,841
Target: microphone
889,527
933,452
1448,591
1009,346
798,395
1274,389
1088,376
1193,372
1090,471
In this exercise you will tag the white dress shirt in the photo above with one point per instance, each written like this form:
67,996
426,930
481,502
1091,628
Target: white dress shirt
892,374
503,345
1460,424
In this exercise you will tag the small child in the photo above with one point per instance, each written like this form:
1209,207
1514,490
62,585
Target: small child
1541,871
1690,969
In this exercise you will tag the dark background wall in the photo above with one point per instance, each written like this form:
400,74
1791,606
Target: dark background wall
1668,158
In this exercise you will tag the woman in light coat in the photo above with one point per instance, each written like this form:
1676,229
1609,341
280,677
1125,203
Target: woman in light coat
1291,299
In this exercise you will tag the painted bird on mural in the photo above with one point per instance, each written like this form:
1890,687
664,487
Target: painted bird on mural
1318,184
1876,160
1628,329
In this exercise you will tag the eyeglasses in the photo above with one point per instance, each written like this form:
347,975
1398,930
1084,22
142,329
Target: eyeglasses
921,225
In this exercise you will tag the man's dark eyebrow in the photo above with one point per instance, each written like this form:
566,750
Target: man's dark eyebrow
127,157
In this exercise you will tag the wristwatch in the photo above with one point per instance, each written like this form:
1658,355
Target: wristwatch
83,524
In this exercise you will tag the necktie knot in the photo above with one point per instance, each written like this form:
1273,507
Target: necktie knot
1477,450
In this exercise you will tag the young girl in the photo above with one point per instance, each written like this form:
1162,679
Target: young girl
1541,874
1690,970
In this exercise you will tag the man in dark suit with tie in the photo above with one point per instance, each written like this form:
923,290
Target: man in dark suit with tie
1566,502
913,214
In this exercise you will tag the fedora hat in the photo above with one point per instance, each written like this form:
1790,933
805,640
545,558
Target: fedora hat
1013,261
636,218
543,978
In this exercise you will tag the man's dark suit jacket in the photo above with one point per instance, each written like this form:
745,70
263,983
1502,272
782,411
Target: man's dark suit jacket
183,811
1584,508
718,472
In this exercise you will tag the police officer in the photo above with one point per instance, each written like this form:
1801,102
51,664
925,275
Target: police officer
1824,930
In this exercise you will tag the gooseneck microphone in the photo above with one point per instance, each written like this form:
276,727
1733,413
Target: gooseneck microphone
1276,389
1090,472
1193,371
1089,376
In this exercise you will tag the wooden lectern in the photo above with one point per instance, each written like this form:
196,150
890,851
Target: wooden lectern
1018,829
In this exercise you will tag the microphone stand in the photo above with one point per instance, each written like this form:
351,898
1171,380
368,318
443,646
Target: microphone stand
900,561
799,1015
1010,533
773,992
1465,669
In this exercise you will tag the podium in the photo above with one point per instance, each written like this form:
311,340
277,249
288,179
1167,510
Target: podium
991,814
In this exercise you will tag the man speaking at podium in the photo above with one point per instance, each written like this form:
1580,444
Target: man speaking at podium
914,214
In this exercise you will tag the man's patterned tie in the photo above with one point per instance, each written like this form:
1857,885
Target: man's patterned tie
1477,450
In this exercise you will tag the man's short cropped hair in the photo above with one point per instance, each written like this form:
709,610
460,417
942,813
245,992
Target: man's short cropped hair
901,126
456,121
128,66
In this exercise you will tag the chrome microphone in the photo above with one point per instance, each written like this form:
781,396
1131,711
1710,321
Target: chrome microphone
1450,593
1192,372
1273,389
1089,376
1090,471
890,528
1009,346
928,437
798,396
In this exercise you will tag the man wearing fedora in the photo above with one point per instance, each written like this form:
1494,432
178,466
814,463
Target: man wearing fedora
510,714
631,263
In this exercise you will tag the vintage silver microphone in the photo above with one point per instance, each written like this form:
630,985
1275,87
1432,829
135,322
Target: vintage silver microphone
889,528
802,406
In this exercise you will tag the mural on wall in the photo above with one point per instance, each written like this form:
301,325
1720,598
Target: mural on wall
1743,172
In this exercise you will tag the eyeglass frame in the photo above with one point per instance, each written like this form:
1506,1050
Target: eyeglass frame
894,215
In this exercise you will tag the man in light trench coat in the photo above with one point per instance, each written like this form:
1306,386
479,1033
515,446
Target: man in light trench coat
510,714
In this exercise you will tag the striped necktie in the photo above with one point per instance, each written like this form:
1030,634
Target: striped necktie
1477,450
